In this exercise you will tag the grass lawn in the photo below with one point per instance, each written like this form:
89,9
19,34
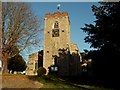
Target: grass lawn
50,82
55,82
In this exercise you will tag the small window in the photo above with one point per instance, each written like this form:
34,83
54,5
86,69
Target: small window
31,63
47,51
52,68
62,30
48,32
56,68
36,66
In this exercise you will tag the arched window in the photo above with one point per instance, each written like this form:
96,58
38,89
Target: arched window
56,24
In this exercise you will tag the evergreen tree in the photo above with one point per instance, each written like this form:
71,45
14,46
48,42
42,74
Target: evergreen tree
16,63
104,35
106,29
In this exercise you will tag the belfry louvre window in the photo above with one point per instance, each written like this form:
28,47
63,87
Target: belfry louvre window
56,24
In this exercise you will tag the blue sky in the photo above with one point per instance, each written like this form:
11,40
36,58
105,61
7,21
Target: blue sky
79,13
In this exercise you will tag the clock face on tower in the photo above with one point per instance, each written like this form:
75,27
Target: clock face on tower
55,33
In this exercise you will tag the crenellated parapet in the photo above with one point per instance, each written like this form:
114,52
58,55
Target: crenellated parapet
56,14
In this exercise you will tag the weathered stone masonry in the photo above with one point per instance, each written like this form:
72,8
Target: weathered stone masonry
57,36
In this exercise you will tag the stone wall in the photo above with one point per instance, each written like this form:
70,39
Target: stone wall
32,64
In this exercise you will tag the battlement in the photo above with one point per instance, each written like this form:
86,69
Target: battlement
56,14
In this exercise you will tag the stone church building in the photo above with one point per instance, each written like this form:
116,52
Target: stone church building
59,54
58,49
35,60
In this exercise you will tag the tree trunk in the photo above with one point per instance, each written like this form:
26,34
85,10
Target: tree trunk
4,63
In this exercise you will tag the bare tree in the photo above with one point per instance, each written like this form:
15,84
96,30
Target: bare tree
20,28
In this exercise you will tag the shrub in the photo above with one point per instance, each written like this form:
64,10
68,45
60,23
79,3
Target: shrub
41,71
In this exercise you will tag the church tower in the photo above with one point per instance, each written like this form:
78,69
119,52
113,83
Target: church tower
56,36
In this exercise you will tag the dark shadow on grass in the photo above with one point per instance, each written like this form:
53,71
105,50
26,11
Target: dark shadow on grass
57,81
